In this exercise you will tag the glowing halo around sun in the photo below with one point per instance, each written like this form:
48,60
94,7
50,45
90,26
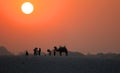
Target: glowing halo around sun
27,8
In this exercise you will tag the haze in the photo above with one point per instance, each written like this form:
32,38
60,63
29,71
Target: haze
87,26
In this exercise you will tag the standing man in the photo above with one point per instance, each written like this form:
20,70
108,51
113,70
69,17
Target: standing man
35,51
39,51
26,53
49,52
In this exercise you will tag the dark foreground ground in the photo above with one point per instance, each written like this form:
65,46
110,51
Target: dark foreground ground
42,64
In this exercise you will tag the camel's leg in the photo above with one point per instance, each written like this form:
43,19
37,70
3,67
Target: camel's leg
66,53
60,53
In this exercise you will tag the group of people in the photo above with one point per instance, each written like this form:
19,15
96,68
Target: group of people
60,50
37,51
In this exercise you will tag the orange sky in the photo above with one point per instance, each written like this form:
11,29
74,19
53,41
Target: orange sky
87,26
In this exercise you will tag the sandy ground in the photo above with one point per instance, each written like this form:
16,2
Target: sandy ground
46,64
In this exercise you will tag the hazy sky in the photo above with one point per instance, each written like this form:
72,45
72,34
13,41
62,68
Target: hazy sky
87,26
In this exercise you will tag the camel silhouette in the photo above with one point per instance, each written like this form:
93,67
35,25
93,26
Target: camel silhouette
61,50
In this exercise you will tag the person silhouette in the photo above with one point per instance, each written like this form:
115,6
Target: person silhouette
26,53
35,51
39,51
49,52
54,52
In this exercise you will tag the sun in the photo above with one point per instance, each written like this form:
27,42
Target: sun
27,8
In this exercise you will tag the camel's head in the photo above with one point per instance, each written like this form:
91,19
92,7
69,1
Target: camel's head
48,50
55,48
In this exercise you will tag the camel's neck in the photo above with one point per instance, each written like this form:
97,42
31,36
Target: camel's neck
56,49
